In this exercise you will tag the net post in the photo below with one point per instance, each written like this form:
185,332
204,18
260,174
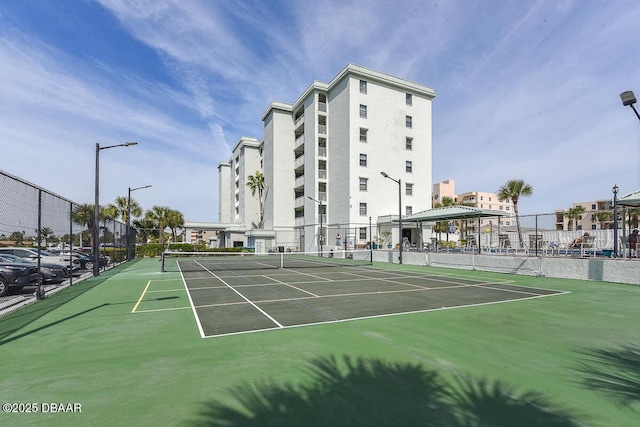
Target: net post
162,262
281,259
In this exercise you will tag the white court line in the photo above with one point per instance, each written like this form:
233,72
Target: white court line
324,279
240,295
377,316
291,286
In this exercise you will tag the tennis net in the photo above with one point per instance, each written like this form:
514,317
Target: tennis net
230,261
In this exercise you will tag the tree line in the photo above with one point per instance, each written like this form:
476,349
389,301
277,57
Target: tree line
150,227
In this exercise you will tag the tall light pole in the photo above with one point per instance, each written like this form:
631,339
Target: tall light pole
615,221
129,251
399,181
319,202
628,98
96,206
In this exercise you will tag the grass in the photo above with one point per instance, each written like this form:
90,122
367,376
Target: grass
572,359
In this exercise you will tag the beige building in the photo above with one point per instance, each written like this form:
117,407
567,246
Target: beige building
478,199
598,215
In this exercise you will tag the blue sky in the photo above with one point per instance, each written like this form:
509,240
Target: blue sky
525,89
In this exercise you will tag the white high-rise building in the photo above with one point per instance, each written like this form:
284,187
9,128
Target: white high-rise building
322,159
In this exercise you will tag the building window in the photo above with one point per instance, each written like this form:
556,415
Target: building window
408,210
363,209
408,166
409,189
409,98
408,143
362,233
363,134
363,159
409,122
363,184
363,86
363,111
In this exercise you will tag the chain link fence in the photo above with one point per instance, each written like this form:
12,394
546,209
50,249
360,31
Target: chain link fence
31,216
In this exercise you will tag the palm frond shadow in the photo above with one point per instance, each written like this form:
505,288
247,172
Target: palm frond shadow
367,392
615,372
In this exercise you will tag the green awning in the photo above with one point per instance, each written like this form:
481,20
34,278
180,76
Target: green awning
452,212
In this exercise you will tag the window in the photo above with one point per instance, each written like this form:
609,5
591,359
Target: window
362,233
408,210
409,99
363,86
593,207
363,134
363,209
408,144
408,166
363,159
363,111
408,189
363,184
409,121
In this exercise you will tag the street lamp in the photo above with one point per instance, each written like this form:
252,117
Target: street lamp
628,98
319,202
96,205
399,211
129,220
615,221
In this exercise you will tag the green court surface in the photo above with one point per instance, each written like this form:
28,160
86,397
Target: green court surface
127,348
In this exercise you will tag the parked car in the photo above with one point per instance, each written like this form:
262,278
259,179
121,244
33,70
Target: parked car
33,254
104,259
15,276
85,262
50,273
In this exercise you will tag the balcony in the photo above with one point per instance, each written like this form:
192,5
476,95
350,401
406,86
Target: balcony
299,142
298,121
322,107
298,162
322,173
322,129
299,182
322,151
299,202
299,221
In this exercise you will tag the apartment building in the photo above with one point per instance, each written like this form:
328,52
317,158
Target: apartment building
478,199
322,159
597,215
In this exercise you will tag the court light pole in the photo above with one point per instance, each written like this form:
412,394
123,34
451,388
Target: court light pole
628,98
129,219
96,206
319,202
615,221
399,181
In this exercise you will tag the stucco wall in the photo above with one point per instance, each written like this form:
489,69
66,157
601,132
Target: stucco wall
606,270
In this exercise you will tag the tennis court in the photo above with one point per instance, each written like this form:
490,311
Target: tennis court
242,293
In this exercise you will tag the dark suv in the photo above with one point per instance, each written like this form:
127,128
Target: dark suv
51,273
16,276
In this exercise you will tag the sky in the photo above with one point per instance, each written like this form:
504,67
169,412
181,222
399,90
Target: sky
524,89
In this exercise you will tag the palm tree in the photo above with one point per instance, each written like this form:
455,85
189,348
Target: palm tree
256,183
602,217
45,232
122,207
159,215
83,215
574,214
513,190
175,220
